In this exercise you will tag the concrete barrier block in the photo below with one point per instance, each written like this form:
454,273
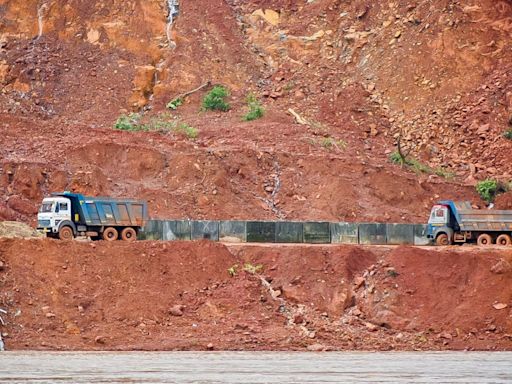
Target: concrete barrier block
233,231
176,230
344,233
261,232
208,230
420,235
372,233
317,233
152,230
400,234
289,232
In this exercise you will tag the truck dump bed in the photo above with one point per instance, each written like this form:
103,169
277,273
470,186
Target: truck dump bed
114,212
470,219
103,211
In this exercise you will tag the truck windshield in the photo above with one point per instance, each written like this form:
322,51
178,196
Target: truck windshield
46,207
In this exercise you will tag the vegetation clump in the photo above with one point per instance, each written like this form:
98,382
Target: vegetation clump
174,104
253,269
256,111
508,134
186,130
162,123
128,122
215,100
417,166
488,189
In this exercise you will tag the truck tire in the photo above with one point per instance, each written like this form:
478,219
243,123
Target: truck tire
110,234
484,239
443,239
128,234
66,233
504,240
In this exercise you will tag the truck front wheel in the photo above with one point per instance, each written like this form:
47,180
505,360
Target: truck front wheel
128,234
110,234
66,233
443,239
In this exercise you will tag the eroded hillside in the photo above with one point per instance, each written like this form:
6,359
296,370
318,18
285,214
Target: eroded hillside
358,74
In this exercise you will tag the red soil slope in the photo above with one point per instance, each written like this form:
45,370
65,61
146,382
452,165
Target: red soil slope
180,296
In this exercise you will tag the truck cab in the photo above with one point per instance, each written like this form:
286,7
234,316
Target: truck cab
439,228
53,214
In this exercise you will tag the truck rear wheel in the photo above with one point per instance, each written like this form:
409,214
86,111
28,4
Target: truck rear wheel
504,240
110,234
484,239
129,234
443,239
66,233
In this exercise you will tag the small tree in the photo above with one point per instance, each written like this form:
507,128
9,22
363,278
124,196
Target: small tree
215,100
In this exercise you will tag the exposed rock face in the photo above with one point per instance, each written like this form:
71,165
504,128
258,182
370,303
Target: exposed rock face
359,75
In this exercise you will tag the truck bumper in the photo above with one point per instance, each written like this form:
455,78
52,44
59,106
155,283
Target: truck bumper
44,230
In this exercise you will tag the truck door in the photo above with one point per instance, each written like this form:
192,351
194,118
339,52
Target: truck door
62,211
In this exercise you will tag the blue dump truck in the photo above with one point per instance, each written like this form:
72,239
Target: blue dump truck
458,223
67,215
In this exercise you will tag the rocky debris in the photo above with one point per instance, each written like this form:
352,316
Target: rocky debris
100,339
317,347
500,306
177,310
501,267
12,229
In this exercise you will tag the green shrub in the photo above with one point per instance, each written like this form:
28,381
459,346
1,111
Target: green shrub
487,189
128,123
508,134
215,100
256,111
174,104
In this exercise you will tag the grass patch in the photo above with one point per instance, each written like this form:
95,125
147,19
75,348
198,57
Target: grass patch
508,134
215,100
329,143
418,166
163,123
186,130
256,111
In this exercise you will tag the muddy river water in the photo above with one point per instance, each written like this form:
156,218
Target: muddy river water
255,367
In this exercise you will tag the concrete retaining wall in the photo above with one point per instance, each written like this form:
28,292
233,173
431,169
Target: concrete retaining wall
286,232
372,234
345,233
233,231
